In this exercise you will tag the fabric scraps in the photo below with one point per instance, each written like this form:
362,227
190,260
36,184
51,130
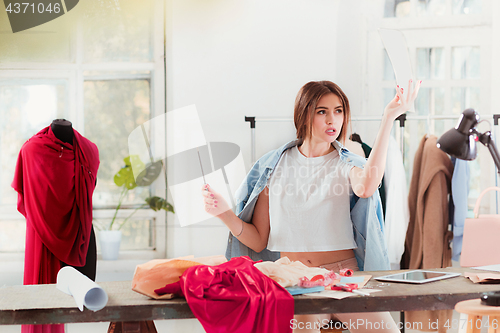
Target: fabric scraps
287,273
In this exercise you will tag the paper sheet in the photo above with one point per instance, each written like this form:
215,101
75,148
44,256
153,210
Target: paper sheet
352,279
395,44
188,200
360,280
483,277
337,294
84,290
494,268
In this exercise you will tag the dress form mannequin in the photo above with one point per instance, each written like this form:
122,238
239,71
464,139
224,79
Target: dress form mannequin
55,181
63,130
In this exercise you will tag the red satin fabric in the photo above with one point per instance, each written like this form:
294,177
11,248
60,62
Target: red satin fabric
55,182
235,297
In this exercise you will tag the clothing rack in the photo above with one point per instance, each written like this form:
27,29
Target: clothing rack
402,120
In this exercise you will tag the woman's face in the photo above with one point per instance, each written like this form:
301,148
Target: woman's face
328,119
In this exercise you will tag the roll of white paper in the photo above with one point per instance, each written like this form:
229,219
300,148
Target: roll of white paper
84,290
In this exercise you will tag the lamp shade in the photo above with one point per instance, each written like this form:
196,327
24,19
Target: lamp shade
458,145
459,142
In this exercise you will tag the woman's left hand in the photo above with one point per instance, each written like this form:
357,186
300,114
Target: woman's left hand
402,101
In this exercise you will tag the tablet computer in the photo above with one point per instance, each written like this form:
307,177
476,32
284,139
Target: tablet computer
417,276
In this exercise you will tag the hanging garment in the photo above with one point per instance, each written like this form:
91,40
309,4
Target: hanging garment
55,182
397,213
458,204
234,297
428,238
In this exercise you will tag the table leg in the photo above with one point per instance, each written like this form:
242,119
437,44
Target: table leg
132,327
473,325
494,323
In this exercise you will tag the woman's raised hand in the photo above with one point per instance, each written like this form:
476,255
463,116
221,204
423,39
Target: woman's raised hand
215,204
402,101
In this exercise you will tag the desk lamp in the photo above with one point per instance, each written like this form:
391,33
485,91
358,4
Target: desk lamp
460,142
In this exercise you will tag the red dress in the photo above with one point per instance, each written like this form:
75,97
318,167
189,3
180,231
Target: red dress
55,182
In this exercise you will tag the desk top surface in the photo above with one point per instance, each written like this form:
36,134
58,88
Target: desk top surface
44,304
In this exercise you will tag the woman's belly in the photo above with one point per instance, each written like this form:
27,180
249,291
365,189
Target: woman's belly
315,259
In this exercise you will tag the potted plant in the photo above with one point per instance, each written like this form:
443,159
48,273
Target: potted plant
110,237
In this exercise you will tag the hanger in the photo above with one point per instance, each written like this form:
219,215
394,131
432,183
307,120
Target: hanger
355,137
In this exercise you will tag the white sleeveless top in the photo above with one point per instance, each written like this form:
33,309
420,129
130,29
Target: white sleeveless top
309,207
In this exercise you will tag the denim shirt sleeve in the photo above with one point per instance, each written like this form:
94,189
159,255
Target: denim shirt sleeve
349,157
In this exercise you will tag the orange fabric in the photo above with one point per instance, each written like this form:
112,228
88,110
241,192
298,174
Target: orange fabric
157,273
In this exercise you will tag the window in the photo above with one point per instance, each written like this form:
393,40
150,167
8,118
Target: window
466,6
104,73
415,8
449,47
397,8
431,7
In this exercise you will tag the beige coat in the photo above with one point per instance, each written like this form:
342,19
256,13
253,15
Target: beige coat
428,238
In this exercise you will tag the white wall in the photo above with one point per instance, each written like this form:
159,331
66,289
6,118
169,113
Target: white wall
249,58
242,58
237,58
353,20
350,52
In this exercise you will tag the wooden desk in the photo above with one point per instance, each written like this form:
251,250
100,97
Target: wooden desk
44,304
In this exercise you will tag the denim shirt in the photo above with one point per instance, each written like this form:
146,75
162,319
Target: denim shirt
366,214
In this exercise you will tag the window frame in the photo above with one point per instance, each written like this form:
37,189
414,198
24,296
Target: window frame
75,74
446,31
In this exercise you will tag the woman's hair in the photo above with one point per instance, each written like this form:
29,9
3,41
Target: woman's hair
305,105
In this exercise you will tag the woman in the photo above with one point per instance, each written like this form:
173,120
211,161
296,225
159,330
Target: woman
305,211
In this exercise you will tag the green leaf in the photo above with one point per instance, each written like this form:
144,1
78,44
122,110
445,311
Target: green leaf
157,203
127,161
154,203
137,165
121,176
149,174
169,208
126,175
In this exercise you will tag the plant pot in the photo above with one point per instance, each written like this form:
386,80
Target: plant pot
110,243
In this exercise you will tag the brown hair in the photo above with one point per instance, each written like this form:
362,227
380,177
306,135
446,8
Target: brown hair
305,104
